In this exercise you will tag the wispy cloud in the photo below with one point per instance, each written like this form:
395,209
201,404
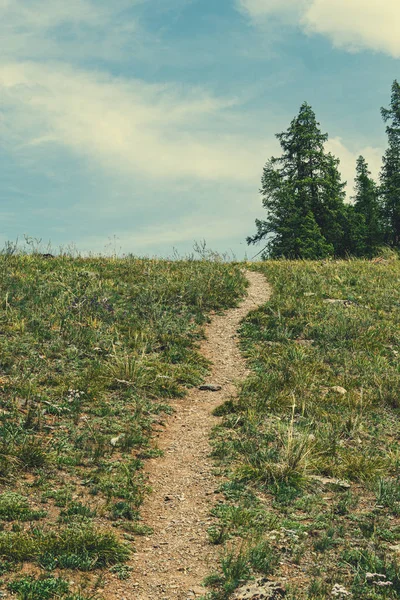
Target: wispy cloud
75,30
47,14
158,131
351,24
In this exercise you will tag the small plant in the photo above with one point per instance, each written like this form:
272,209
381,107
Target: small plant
234,571
75,547
32,454
217,535
76,510
16,507
28,588
123,572
326,541
346,503
124,510
263,558
388,495
137,528
318,590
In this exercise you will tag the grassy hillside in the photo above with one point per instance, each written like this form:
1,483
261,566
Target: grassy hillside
312,445
90,352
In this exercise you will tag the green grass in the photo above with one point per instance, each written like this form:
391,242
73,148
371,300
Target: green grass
16,507
317,464
92,350
46,588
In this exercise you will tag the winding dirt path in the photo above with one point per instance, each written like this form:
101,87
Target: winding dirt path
171,563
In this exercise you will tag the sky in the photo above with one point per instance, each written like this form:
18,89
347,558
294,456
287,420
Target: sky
142,126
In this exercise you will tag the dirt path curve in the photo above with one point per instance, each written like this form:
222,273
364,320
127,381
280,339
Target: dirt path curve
171,564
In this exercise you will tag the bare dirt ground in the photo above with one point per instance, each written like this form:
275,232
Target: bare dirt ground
171,563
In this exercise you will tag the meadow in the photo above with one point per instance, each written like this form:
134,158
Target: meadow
310,449
91,351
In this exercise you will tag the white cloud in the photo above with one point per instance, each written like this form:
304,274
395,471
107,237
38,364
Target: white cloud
159,131
351,24
357,24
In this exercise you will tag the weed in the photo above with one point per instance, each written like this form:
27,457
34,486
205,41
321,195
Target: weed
388,495
124,510
75,547
123,572
325,542
76,511
46,588
16,507
263,558
318,590
345,504
28,588
217,535
32,454
234,571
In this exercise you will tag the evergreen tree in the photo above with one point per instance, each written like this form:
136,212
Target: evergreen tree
311,243
366,205
303,195
390,174
355,232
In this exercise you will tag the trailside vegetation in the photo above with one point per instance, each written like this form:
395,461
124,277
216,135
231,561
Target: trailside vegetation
309,451
91,352
304,196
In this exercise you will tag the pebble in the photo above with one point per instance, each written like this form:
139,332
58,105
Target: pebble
210,387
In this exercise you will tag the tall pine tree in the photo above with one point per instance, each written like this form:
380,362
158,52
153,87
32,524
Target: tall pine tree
390,174
303,195
366,204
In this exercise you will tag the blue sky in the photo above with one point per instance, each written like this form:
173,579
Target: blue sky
143,125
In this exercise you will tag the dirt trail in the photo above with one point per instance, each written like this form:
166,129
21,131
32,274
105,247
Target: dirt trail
171,563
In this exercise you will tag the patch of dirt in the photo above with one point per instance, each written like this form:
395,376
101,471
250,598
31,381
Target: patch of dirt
171,563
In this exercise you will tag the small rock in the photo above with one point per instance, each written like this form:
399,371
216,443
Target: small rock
371,576
303,342
197,591
345,303
338,591
339,390
115,440
331,481
210,387
333,301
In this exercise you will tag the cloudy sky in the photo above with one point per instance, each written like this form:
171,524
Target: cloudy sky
143,125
